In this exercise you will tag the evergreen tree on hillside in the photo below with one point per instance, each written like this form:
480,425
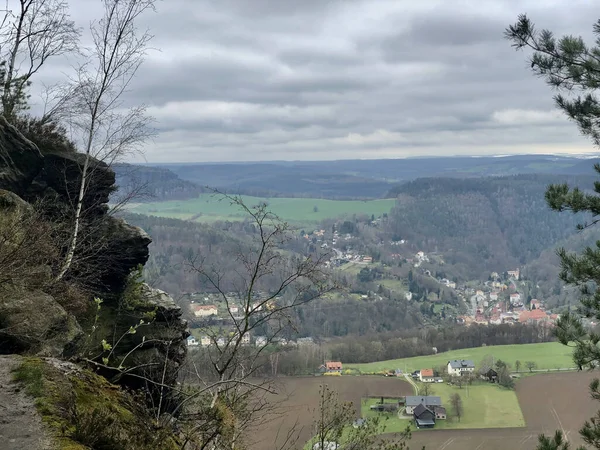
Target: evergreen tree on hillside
572,67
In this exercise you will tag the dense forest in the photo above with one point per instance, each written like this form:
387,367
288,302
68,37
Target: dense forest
481,225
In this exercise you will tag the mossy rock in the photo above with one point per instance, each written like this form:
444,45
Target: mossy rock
85,411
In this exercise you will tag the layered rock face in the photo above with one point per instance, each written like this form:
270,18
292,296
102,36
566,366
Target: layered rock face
33,320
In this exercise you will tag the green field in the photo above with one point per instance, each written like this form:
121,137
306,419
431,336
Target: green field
549,355
210,208
485,405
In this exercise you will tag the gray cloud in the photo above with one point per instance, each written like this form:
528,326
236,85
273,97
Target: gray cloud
314,79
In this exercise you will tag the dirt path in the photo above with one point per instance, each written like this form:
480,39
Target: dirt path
20,425
412,383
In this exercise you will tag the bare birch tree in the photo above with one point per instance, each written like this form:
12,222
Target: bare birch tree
36,31
101,128
272,283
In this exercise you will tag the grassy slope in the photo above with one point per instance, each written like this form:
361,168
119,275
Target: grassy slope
210,208
549,355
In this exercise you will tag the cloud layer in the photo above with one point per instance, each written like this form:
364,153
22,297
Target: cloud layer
312,79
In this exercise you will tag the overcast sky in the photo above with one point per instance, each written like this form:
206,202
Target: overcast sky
239,80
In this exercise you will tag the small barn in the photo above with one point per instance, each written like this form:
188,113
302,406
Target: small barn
440,412
424,417
491,375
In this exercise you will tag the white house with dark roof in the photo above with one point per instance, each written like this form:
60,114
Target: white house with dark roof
429,401
458,367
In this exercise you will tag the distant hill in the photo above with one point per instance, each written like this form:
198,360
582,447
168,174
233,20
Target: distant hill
482,224
152,183
363,179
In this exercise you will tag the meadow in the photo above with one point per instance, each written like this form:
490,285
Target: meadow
211,207
548,355
485,405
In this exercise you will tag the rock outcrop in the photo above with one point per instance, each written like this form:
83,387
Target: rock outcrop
20,160
36,323
109,249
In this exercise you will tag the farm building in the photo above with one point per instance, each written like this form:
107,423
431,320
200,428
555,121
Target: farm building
440,412
426,376
412,401
424,417
491,375
460,366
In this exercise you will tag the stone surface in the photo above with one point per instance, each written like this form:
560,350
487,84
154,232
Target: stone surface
20,160
34,322
11,201
21,426
164,341
62,174
124,247
108,250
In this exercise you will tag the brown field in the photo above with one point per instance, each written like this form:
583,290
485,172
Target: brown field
298,398
548,401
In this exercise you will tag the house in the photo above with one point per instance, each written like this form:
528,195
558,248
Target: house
424,417
515,299
533,316
305,341
495,320
460,367
367,259
221,342
333,366
260,341
426,376
452,285
408,296
514,274
440,412
491,375
479,293
191,341
493,296
412,401
204,310
233,309
535,304
205,341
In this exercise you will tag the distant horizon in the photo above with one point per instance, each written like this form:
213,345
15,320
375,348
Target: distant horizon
582,156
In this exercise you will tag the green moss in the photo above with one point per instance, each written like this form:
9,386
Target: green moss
83,410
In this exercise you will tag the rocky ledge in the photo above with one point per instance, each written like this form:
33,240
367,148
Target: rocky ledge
56,319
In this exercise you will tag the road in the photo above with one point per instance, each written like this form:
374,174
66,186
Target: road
412,383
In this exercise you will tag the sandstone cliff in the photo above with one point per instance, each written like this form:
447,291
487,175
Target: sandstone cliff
40,316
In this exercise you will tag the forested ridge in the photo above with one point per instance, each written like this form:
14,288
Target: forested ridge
482,224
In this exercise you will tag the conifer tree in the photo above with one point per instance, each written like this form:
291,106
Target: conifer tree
572,67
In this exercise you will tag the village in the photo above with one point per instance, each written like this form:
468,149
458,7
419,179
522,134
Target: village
498,300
